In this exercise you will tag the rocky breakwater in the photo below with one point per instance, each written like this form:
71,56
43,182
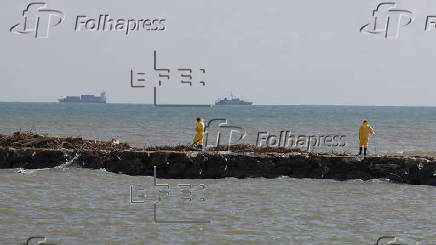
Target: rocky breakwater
185,162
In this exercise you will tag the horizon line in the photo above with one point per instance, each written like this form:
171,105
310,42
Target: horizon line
151,104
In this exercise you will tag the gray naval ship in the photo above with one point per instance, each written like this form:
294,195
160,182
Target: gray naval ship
85,99
232,101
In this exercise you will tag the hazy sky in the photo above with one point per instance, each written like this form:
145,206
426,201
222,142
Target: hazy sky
268,52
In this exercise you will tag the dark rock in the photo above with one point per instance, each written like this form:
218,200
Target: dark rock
214,164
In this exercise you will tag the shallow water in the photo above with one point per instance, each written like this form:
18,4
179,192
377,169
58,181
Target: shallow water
82,206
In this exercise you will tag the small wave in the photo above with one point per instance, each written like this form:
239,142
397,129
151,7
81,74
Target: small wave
25,171
283,177
379,181
415,153
29,171
70,162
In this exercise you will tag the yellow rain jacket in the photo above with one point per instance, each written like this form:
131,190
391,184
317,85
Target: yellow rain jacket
364,132
198,139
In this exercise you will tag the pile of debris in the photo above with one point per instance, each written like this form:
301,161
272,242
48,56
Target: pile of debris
41,141
28,139
251,148
233,148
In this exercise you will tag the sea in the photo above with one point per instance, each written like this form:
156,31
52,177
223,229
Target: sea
67,205
399,130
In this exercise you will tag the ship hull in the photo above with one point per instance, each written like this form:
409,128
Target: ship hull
82,102
239,103
85,99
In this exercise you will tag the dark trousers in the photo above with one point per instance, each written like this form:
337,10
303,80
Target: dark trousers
364,151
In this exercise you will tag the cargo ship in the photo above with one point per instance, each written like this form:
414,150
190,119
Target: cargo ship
85,99
232,101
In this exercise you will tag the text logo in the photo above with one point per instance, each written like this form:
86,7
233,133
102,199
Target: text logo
38,240
187,75
388,20
139,196
287,139
218,130
38,20
395,241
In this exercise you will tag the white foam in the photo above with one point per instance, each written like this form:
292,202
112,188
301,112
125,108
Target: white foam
70,162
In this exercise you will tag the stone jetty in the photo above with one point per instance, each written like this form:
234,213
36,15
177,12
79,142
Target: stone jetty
32,151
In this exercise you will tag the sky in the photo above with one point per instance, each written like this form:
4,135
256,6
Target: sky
277,52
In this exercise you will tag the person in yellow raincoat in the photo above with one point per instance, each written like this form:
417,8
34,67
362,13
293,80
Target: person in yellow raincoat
198,138
364,131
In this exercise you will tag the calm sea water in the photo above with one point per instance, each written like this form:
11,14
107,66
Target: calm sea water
82,206
398,129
